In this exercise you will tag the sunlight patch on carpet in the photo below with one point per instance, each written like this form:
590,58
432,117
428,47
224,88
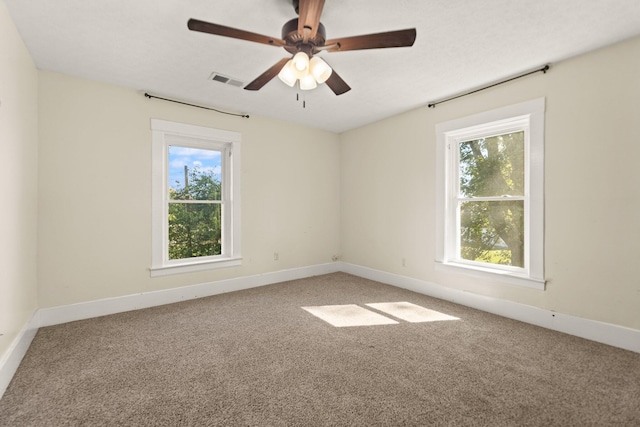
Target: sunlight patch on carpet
348,315
411,312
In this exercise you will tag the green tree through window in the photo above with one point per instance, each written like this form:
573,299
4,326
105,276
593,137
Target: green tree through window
491,199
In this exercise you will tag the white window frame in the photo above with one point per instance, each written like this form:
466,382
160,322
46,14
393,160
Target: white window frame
163,134
527,116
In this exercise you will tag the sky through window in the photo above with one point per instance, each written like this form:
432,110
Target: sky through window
206,161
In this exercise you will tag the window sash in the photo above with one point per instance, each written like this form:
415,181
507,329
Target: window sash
200,145
222,148
195,202
457,247
503,127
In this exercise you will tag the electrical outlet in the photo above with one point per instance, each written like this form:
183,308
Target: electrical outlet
276,256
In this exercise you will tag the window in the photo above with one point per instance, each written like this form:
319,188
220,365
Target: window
195,198
490,194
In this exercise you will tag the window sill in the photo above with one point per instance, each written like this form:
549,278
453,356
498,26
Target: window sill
493,274
194,266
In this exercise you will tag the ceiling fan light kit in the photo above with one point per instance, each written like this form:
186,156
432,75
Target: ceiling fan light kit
304,37
309,72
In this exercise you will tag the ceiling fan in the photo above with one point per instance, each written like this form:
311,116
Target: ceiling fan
304,37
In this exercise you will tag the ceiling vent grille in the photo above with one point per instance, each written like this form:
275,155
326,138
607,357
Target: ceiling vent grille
221,78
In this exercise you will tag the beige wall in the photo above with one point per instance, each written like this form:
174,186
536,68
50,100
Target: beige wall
18,177
95,192
592,190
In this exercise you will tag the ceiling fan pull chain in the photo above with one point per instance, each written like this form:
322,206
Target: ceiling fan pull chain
304,101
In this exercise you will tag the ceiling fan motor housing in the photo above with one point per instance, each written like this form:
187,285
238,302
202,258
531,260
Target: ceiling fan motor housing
295,41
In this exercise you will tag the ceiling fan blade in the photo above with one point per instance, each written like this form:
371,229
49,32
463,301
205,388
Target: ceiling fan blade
266,77
336,84
399,38
309,12
221,30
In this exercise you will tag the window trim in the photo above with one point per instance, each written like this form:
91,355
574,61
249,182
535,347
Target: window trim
471,127
163,134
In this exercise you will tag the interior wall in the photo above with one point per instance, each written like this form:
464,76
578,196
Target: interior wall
592,196
18,175
95,192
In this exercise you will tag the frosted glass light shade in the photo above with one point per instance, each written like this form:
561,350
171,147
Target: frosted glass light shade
320,70
288,75
308,82
301,63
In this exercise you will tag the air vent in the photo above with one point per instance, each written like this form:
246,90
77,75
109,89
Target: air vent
221,78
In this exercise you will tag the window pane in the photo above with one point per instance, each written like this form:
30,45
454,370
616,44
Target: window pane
492,232
194,174
492,166
194,230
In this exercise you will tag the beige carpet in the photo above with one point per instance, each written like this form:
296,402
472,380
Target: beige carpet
257,358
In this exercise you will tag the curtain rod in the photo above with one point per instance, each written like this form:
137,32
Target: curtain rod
543,70
245,116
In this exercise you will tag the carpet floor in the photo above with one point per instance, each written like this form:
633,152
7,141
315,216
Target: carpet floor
258,358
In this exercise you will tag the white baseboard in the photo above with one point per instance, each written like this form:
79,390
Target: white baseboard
606,333
11,359
86,310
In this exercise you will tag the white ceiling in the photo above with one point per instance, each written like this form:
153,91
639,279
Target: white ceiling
460,45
